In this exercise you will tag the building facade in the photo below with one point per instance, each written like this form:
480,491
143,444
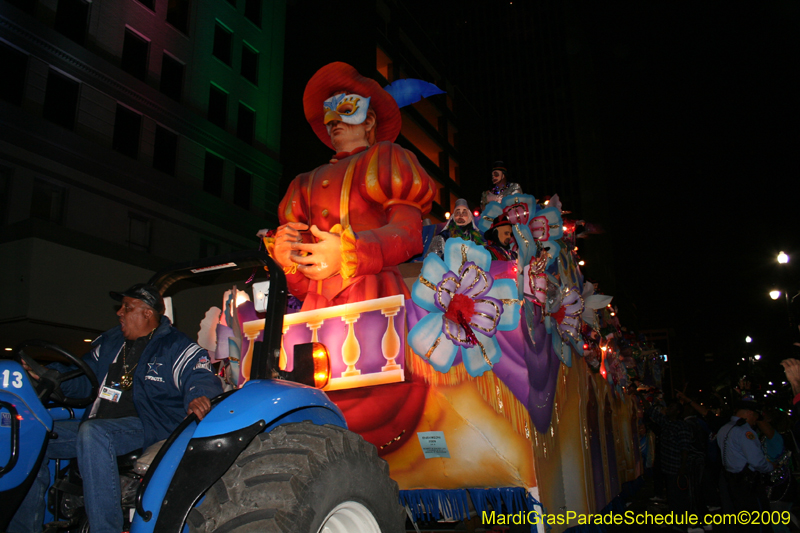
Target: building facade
135,134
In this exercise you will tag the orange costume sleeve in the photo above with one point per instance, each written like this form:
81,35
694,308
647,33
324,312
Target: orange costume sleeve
396,182
375,200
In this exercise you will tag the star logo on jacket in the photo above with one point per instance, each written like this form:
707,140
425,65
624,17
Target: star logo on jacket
153,367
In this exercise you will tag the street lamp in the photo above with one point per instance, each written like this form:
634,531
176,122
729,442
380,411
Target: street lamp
775,294
748,339
757,357
783,258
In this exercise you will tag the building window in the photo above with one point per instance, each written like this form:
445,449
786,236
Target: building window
47,201
246,126
178,14
127,126
223,39
72,16
384,64
250,63
252,11
165,151
171,77
242,185
15,66
138,232
135,50
212,174
60,99
217,106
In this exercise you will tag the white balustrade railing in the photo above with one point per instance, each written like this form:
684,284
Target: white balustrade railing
350,351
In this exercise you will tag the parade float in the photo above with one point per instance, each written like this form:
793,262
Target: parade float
484,384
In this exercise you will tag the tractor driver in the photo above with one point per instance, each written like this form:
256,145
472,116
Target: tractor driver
172,376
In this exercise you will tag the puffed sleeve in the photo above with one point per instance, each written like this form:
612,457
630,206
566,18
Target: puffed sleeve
396,181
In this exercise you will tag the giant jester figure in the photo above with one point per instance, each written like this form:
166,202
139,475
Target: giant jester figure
346,225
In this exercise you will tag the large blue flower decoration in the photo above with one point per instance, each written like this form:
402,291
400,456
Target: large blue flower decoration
466,308
563,309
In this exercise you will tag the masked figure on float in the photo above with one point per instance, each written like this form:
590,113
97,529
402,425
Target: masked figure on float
347,224
461,225
501,187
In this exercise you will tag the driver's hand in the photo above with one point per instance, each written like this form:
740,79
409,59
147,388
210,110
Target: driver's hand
200,407
34,376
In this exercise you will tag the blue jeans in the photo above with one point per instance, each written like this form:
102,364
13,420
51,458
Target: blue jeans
96,444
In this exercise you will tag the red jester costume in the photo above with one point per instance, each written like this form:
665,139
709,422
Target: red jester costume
346,225
373,197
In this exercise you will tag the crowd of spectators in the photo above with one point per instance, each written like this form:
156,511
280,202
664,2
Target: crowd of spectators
714,457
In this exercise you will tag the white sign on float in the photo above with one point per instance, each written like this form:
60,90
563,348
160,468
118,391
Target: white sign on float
433,444
261,296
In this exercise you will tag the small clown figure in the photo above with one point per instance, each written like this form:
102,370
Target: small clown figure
500,186
461,225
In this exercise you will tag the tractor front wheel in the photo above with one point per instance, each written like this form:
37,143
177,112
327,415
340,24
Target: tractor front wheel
303,478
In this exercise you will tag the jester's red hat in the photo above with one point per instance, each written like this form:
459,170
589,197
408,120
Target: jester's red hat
335,77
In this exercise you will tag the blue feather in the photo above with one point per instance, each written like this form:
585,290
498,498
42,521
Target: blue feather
409,91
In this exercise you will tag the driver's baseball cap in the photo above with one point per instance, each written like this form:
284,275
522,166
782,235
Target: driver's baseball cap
141,291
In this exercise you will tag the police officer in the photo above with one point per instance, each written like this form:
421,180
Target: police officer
743,460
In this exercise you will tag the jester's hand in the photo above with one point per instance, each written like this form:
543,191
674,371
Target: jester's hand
286,237
324,257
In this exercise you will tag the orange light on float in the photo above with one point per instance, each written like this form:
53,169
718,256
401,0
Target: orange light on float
312,365
322,365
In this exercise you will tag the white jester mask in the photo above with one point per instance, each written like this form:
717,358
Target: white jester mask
347,108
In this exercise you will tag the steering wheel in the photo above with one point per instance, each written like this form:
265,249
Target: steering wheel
48,385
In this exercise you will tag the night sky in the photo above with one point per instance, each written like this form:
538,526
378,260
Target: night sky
700,122
696,106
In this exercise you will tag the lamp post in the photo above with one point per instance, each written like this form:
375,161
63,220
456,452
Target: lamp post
783,259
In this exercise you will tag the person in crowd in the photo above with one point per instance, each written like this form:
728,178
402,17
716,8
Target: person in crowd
151,376
698,452
461,225
499,240
346,225
705,429
500,186
791,368
781,487
742,461
675,449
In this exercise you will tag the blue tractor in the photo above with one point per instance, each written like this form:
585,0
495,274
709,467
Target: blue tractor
273,455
